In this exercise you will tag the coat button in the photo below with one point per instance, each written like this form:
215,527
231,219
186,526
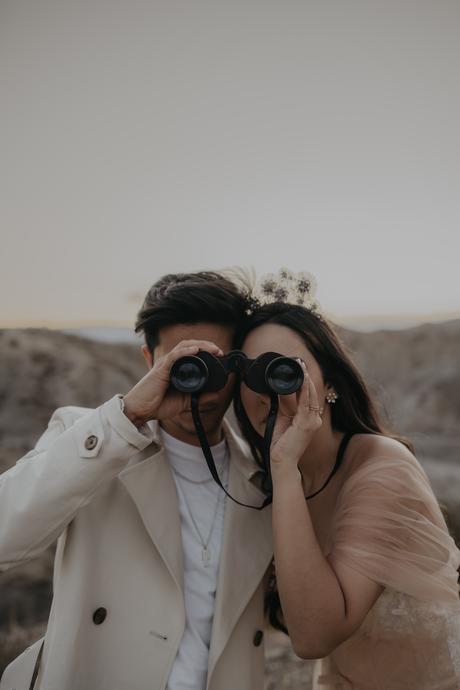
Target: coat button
258,637
91,442
99,615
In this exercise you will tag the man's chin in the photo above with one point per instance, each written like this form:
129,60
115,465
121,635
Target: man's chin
211,420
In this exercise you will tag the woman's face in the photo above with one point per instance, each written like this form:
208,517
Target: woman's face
274,338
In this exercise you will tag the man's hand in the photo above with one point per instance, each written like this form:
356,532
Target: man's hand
152,397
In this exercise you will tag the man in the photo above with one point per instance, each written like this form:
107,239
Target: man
159,579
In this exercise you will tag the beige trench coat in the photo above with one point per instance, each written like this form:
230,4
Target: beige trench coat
105,491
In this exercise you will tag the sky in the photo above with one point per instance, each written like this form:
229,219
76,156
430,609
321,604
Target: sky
139,138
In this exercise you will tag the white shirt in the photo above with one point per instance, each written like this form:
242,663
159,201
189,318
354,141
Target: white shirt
205,501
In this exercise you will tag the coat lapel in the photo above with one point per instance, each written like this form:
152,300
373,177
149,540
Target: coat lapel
246,548
150,483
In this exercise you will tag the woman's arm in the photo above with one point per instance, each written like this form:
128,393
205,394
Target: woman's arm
323,601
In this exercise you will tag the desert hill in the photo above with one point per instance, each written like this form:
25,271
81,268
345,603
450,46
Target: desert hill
414,373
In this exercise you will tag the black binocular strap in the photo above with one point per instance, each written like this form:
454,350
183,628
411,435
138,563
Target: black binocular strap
268,435
208,454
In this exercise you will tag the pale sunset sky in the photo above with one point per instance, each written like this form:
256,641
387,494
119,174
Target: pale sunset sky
143,137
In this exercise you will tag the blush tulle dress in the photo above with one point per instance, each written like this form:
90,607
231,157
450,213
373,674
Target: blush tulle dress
388,526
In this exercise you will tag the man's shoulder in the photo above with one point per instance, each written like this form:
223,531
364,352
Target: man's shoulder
69,414
62,419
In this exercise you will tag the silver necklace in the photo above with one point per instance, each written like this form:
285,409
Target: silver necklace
205,554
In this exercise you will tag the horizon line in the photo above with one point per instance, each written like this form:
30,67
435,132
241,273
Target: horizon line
364,319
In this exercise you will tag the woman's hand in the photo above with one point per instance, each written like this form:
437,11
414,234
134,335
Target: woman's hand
293,432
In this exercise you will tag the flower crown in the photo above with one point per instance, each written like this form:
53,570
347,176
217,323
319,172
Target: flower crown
285,286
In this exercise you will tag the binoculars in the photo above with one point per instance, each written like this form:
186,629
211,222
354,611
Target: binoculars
205,373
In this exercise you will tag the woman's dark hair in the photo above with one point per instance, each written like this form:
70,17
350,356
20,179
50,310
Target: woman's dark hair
176,298
354,411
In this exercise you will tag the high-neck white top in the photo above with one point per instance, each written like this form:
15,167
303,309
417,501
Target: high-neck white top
201,507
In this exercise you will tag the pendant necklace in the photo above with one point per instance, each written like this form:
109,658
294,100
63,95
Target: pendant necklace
205,554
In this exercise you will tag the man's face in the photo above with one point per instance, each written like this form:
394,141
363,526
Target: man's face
212,405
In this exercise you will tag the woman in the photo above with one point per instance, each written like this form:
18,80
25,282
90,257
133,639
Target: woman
366,570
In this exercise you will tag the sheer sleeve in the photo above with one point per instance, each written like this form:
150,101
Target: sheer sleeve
388,526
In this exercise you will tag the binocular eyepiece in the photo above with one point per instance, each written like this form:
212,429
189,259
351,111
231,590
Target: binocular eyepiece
269,373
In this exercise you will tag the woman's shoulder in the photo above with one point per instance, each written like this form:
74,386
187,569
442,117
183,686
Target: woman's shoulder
377,453
388,525
367,446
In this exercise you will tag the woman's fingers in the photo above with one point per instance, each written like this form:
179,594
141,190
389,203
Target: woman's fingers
308,408
288,404
293,433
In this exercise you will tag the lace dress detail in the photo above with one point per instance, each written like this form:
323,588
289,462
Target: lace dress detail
388,526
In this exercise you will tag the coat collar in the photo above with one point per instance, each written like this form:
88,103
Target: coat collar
247,543
150,483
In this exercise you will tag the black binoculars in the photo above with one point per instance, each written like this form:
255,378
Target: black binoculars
205,373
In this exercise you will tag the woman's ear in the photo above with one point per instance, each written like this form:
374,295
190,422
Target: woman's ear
147,356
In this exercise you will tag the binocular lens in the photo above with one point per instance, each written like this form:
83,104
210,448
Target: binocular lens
190,374
269,372
284,376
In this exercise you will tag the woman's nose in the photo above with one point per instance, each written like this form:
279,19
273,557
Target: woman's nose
263,399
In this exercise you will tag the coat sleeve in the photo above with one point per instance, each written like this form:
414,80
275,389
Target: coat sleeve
43,491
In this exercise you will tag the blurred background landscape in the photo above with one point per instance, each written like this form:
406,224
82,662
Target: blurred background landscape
414,374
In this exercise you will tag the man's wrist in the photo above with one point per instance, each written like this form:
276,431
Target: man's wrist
131,414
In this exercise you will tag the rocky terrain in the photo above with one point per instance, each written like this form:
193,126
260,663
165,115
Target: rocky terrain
414,374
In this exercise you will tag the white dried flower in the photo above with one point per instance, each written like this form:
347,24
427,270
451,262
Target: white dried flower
289,287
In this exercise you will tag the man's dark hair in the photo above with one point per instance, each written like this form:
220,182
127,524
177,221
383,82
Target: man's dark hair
176,298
